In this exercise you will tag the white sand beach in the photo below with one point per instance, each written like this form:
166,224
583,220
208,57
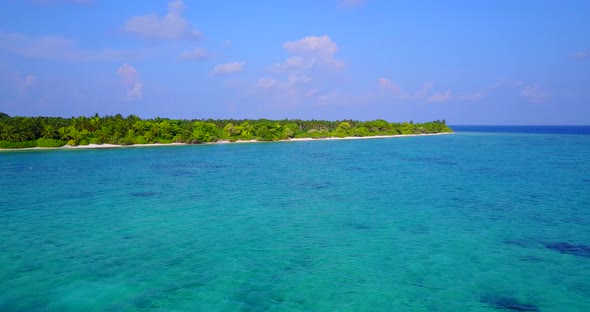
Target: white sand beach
107,146
91,146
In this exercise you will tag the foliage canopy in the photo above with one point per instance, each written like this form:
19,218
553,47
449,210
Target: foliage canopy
18,132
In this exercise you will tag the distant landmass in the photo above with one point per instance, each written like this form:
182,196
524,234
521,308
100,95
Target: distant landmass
27,132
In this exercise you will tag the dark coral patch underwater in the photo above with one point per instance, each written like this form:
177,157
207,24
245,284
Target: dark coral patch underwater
569,249
507,303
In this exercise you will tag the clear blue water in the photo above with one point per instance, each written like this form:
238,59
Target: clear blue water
473,221
525,129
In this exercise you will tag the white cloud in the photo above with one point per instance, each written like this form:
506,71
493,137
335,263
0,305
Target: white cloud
130,80
56,48
292,63
315,50
533,94
171,26
135,93
197,53
228,68
292,81
128,73
312,44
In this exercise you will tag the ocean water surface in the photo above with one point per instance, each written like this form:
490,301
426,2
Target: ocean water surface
480,220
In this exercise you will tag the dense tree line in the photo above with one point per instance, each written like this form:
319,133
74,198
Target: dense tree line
56,131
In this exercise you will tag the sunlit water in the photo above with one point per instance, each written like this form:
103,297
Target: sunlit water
463,222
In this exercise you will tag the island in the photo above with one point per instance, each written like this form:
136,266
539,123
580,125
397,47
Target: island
48,132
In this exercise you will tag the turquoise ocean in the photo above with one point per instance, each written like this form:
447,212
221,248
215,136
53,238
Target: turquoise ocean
485,219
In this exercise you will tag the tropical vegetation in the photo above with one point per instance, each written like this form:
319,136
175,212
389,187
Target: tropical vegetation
21,132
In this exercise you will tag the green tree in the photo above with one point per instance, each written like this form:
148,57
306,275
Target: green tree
231,131
246,131
290,130
9,133
343,129
149,137
361,131
48,132
28,131
63,133
204,132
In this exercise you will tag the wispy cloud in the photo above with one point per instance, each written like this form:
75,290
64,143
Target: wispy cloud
475,96
292,82
170,27
228,68
293,79
130,80
21,83
56,48
388,85
26,82
135,93
582,54
426,92
62,1
440,97
267,83
533,93
349,4
195,54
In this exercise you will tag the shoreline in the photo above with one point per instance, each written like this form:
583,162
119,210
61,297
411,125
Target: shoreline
112,146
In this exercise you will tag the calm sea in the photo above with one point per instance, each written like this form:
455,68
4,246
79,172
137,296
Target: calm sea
484,219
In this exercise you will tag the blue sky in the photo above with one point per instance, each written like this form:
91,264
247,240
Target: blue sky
469,62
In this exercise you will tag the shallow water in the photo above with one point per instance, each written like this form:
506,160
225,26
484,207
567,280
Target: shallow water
444,223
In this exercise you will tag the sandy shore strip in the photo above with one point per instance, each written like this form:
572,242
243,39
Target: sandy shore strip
107,146
366,137
91,146
332,138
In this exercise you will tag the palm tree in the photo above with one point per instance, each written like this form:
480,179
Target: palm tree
63,133
149,137
156,131
102,135
94,124
130,133
80,123
47,132
74,134
8,133
34,127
